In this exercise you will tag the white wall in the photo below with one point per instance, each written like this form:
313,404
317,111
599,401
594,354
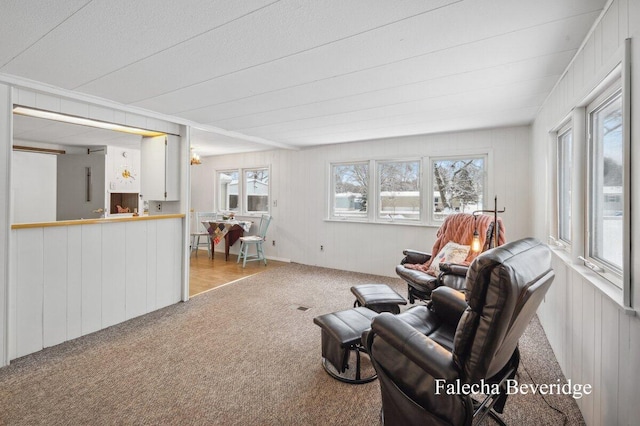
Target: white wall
33,177
594,340
299,185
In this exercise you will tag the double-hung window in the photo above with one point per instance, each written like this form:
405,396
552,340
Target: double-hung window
606,191
399,190
243,191
256,190
228,190
458,185
564,147
394,190
349,190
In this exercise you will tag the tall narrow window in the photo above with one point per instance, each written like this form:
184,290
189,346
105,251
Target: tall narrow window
458,185
606,172
564,184
228,190
256,189
399,186
349,196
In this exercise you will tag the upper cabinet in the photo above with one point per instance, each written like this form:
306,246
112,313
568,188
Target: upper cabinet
160,168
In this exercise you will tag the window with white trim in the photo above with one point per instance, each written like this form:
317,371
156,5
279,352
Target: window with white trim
349,190
228,190
256,190
604,245
458,185
243,191
564,148
399,190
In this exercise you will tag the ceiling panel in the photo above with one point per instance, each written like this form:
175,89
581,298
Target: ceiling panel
402,46
357,93
108,35
207,143
501,98
256,74
24,24
284,29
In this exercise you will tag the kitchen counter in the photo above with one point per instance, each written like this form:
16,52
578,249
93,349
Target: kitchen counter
68,281
95,221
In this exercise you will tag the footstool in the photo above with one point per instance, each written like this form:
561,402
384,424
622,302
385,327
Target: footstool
341,334
378,298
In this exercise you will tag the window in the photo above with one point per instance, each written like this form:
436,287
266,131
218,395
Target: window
564,184
256,185
228,190
458,185
605,183
350,184
246,195
399,190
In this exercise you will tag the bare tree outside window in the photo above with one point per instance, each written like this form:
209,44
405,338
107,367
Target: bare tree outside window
350,189
458,186
399,185
257,190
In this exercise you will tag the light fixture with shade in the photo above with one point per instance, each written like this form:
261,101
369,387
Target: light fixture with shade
475,243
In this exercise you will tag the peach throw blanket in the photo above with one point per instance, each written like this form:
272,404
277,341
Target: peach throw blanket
459,228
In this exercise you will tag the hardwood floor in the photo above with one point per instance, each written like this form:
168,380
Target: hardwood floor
206,274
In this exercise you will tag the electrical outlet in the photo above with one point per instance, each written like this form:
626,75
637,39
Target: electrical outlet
273,243
158,207
321,248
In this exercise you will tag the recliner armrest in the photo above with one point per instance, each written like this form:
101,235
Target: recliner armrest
449,304
454,268
429,355
415,256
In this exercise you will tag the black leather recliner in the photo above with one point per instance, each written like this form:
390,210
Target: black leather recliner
420,284
460,338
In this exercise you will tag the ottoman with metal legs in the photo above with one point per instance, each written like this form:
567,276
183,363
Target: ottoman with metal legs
342,335
378,298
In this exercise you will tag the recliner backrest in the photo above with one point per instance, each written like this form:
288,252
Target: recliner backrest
505,286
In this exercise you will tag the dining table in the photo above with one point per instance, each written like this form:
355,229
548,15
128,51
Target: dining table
229,230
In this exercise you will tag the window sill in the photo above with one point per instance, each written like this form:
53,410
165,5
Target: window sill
613,292
388,222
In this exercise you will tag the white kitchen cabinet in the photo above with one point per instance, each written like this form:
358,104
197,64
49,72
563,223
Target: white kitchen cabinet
159,168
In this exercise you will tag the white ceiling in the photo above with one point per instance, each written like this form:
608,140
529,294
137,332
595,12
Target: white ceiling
255,74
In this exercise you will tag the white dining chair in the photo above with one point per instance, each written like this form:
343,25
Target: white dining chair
254,240
202,232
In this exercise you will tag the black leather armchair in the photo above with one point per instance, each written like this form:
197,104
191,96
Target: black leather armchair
420,284
460,338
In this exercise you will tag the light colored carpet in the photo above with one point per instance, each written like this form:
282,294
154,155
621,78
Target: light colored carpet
242,354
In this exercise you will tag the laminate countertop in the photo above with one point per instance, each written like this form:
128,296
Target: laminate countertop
96,221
